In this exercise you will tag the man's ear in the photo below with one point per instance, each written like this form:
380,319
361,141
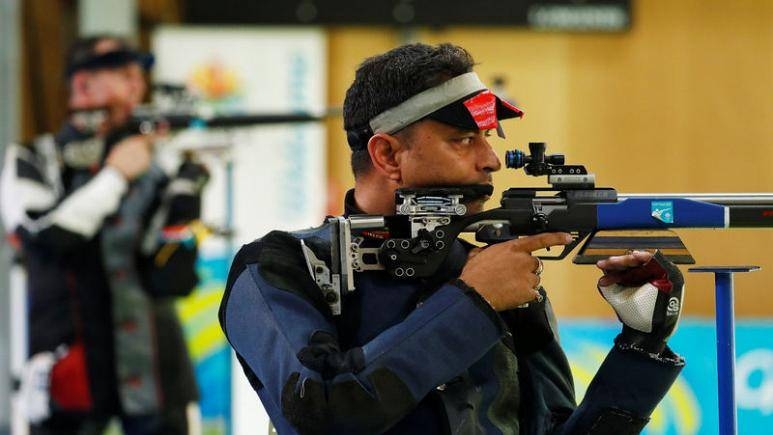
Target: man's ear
80,89
383,149
79,82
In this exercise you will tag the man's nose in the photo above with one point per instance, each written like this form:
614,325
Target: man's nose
488,160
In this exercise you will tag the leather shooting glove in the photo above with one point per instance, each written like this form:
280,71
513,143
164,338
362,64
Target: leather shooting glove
648,301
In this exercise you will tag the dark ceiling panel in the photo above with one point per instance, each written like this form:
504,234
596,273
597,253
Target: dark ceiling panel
571,15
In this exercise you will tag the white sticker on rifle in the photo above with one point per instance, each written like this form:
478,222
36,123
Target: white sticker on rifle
663,211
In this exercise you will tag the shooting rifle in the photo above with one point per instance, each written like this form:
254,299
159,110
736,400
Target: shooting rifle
176,108
418,238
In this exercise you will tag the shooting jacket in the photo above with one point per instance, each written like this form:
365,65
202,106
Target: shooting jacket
422,357
101,275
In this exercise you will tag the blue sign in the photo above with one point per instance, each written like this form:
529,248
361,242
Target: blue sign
691,405
207,345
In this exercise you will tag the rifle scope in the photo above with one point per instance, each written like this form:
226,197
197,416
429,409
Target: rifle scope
536,164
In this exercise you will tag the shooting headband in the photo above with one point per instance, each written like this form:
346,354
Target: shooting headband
111,59
426,102
463,101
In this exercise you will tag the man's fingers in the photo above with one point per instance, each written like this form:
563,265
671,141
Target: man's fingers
608,280
541,241
621,262
473,252
148,140
534,280
537,266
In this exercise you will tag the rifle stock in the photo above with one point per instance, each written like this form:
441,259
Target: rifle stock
631,222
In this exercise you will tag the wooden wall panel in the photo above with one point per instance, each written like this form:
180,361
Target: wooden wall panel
48,28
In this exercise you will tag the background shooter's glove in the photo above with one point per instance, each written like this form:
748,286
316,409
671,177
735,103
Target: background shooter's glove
648,300
186,191
173,243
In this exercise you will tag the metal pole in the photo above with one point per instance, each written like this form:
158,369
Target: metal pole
725,352
725,322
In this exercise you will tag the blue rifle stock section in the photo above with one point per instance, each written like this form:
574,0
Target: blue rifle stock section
660,213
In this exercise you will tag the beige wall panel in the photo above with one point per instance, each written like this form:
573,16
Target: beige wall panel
348,47
681,103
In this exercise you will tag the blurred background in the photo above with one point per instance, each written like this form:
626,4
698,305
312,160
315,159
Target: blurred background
651,96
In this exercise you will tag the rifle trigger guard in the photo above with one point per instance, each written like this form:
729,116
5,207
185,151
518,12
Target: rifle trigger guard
576,240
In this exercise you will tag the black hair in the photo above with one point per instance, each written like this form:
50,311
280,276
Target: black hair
384,81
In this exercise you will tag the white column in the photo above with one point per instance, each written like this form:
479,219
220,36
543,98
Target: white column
10,17
116,17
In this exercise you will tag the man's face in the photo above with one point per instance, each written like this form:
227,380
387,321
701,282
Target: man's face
120,89
438,154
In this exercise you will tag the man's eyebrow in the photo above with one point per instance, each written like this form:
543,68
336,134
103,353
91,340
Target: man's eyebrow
458,130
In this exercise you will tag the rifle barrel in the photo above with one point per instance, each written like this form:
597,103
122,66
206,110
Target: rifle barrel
181,121
714,198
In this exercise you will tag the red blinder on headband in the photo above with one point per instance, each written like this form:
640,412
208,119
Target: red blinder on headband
480,111
483,109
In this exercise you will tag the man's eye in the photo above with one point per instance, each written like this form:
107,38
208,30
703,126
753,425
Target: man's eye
465,140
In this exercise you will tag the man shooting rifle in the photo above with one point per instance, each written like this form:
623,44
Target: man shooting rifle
455,352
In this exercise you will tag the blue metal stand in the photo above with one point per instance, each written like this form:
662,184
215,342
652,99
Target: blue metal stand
723,281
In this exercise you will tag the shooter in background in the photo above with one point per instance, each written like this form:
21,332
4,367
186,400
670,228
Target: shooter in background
105,235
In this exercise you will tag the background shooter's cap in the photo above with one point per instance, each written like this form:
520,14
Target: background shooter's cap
84,55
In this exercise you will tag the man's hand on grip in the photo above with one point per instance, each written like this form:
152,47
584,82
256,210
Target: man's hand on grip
506,274
131,156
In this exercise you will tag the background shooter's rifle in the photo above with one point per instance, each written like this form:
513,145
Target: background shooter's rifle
419,237
175,108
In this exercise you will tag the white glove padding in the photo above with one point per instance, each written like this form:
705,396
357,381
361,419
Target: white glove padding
35,387
648,300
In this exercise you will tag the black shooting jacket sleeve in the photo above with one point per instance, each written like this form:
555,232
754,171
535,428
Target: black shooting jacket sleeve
40,212
287,342
53,220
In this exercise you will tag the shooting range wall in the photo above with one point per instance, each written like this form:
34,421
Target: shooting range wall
680,103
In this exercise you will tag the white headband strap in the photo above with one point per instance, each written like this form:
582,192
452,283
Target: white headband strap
425,102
